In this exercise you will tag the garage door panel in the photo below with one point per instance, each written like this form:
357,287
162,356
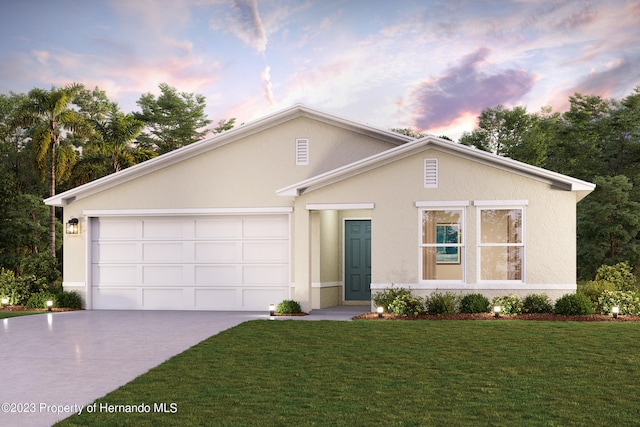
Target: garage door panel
162,298
190,263
162,275
167,252
215,252
264,274
265,251
106,275
116,252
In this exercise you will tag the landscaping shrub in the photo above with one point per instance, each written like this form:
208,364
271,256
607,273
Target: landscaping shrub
405,304
39,300
386,297
628,302
474,303
621,275
41,265
13,288
442,304
594,289
537,303
573,305
289,307
69,299
509,304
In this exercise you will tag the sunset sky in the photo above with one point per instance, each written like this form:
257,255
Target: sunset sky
429,65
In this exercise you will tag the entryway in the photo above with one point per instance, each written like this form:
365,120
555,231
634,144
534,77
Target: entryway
357,260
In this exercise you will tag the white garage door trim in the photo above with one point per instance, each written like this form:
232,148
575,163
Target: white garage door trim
214,259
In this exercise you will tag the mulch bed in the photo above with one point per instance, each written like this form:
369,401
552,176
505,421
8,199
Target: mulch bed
490,316
23,308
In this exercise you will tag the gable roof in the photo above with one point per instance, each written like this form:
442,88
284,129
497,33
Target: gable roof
554,179
220,140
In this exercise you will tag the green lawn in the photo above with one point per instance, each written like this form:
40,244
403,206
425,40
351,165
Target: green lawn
374,373
5,314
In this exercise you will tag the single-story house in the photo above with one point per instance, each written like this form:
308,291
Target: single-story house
308,206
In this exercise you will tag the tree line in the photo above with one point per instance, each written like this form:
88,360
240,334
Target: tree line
54,140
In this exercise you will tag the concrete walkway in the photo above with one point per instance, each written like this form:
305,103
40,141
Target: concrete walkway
53,364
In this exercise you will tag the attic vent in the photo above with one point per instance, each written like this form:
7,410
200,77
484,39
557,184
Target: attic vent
430,173
302,151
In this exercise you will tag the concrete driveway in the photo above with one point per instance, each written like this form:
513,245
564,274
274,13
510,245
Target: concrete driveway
54,364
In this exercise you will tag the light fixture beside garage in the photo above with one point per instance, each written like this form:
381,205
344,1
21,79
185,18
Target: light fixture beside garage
73,226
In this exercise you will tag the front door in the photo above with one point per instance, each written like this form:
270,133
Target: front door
357,260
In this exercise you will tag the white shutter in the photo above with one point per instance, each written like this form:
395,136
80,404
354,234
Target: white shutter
302,151
430,173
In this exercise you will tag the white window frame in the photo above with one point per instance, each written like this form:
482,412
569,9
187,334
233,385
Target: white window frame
500,205
453,206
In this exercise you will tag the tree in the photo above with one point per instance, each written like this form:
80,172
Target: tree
49,114
116,133
172,120
607,225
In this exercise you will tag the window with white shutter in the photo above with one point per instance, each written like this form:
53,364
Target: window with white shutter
302,151
430,173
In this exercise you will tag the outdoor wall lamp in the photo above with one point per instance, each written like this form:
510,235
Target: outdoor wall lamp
615,310
272,310
380,311
5,302
73,226
496,311
49,305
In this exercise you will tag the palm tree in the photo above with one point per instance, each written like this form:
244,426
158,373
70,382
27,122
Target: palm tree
49,114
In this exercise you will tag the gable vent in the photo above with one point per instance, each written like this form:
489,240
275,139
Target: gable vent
430,173
302,151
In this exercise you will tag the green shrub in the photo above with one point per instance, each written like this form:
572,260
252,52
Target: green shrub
509,304
594,289
69,299
39,300
573,305
405,304
621,275
628,302
537,303
14,288
442,304
41,265
474,303
289,307
386,297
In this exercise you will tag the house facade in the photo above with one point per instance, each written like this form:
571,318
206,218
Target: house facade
309,206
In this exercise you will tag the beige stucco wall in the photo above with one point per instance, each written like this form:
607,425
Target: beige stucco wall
242,174
395,188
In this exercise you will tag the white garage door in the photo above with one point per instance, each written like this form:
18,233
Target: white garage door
190,263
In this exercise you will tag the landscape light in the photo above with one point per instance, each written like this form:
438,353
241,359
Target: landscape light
380,311
5,302
49,305
614,310
496,311
272,310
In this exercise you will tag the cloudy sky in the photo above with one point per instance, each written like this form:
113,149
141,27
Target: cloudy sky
432,65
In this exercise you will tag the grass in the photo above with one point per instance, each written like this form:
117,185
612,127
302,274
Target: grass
393,373
6,314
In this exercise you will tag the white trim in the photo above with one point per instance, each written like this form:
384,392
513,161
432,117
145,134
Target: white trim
326,284
500,203
338,206
184,212
438,204
470,287
74,284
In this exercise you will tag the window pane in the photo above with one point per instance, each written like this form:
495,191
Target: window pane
501,225
434,268
501,262
443,227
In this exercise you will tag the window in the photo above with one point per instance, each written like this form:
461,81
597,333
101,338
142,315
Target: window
430,173
442,244
302,152
501,244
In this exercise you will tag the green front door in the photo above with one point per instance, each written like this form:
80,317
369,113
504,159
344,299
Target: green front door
357,260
